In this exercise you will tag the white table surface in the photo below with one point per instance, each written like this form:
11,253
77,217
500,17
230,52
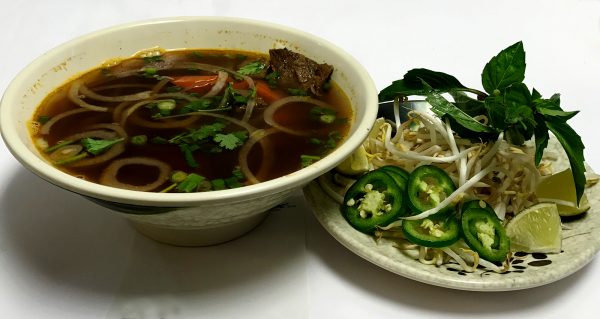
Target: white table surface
64,257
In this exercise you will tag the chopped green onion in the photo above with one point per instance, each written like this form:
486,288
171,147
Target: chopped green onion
159,140
327,118
218,184
307,160
232,182
72,159
139,140
43,119
58,145
178,176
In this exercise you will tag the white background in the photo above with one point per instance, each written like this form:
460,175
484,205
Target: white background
64,257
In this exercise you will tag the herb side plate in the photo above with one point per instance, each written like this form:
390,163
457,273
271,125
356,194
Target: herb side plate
581,242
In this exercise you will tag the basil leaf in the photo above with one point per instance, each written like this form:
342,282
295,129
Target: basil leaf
551,108
496,111
439,81
413,84
467,104
573,146
505,69
399,88
517,100
442,107
541,139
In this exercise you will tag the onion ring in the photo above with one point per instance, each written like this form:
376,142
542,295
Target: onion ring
109,174
269,112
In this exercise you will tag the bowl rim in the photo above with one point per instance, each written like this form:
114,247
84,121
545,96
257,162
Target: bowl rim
40,167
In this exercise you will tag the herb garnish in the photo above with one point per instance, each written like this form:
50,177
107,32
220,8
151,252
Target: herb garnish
507,102
96,147
252,68
208,138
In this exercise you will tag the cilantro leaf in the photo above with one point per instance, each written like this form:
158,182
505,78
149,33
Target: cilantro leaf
505,69
306,160
272,78
252,68
201,133
96,147
191,183
197,105
232,140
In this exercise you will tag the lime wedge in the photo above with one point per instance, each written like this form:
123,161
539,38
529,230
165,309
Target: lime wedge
559,188
536,229
355,164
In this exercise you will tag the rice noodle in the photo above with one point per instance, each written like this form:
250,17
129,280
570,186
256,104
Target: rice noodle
110,173
269,112
45,130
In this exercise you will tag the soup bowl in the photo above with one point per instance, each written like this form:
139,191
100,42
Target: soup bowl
186,219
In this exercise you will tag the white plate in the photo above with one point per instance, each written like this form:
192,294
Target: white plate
581,241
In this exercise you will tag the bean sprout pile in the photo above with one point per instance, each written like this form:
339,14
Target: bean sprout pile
497,172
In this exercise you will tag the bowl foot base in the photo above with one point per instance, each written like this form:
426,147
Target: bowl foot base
194,237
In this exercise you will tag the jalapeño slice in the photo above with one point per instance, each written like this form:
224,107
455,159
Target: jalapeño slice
483,232
428,186
435,231
373,200
399,174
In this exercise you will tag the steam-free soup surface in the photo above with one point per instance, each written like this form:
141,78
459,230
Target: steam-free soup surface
193,120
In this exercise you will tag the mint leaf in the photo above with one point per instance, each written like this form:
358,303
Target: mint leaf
573,146
96,147
505,69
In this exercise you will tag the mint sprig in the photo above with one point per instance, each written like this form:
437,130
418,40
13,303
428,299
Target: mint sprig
507,102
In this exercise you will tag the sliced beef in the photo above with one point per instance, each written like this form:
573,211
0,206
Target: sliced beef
299,72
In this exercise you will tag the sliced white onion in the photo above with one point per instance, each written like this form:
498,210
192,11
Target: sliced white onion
66,152
74,97
271,109
83,89
109,174
162,123
255,137
235,121
219,85
113,152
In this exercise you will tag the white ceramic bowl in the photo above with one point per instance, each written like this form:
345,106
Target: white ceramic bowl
181,219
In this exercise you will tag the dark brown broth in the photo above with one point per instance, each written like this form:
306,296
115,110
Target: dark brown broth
286,148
